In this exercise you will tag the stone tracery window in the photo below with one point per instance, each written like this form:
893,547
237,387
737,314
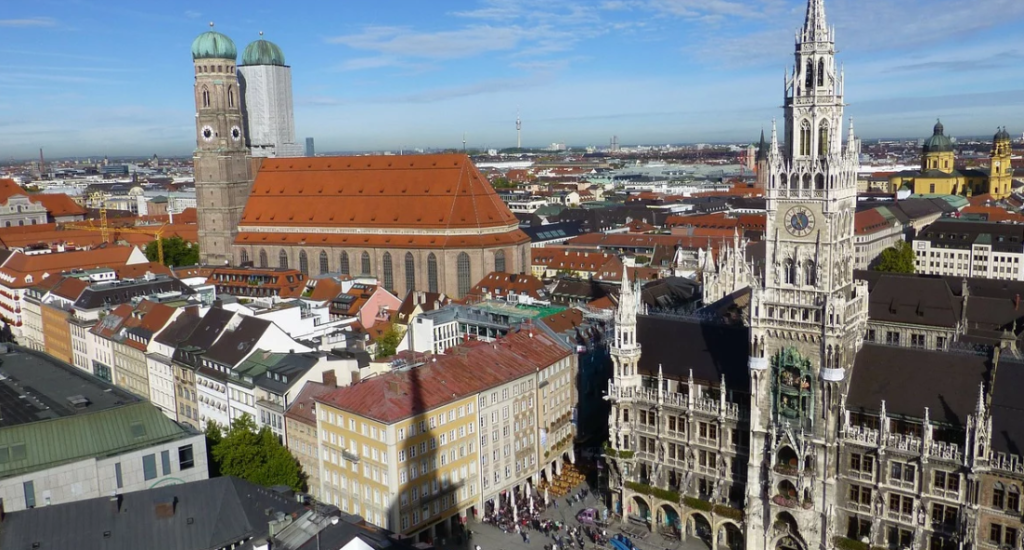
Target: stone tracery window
303,262
462,269
282,259
365,263
823,138
243,257
343,264
324,268
410,272
263,258
389,272
499,261
821,72
432,273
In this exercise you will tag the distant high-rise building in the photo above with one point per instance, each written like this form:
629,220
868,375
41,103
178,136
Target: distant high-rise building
266,84
310,149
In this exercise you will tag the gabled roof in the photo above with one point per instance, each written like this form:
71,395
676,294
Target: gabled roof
58,204
213,513
910,379
8,188
914,300
303,408
420,191
70,288
20,266
179,329
209,328
398,395
679,345
235,345
112,322
500,285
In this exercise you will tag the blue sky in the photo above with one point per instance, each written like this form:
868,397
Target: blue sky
94,77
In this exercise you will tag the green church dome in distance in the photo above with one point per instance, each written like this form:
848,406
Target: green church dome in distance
263,52
213,45
938,143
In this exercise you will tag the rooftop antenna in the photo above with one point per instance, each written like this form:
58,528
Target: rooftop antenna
463,142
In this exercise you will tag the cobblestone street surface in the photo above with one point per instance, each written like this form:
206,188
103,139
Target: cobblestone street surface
490,537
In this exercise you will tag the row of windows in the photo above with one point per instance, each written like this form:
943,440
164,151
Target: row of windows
388,276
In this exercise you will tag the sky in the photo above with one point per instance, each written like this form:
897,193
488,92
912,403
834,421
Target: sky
115,77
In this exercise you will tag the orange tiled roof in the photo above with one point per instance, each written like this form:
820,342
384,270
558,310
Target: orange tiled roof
422,191
19,266
326,289
58,204
994,213
567,259
563,321
8,189
70,288
286,283
869,221
138,270
397,395
500,285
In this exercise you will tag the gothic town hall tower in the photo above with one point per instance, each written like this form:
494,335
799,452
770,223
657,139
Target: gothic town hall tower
807,315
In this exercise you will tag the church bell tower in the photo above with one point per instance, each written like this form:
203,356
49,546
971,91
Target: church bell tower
221,166
807,315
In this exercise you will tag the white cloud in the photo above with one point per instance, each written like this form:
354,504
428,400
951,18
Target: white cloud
29,22
192,14
449,44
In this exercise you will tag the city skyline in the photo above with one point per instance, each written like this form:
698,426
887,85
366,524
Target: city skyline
89,79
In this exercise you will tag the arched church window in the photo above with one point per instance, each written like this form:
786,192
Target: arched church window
809,75
819,181
206,97
807,181
343,264
499,261
282,259
783,181
263,258
805,138
364,263
389,272
823,138
243,257
790,271
809,273
432,272
410,272
821,72
324,268
303,262
463,272
231,96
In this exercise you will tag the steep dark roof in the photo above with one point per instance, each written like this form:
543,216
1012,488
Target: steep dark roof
914,300
209,328
962,235
114,293
910,379
680,344
236,344
179,329
213,513
1007,408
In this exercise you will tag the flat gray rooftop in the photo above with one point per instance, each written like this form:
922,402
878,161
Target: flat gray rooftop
34,387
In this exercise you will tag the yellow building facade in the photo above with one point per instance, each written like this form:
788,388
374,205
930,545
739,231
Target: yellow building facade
416,476
938,173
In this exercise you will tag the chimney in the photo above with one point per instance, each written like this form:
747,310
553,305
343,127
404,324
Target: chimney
330,378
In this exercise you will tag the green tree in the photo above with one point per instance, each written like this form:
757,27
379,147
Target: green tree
897,259
177,252
502,182
387,344
256,456
214,435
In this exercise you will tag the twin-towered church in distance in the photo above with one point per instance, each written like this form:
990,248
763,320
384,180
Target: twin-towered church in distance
424,222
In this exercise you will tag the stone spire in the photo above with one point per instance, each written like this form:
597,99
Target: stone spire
762,148
815,27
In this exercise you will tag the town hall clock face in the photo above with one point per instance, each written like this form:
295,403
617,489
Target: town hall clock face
799,221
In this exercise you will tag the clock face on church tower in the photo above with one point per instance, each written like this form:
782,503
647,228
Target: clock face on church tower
799,221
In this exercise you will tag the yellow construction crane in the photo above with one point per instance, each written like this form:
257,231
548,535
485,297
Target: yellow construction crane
104,229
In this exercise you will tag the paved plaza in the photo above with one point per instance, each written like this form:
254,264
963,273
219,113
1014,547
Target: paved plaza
490,537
